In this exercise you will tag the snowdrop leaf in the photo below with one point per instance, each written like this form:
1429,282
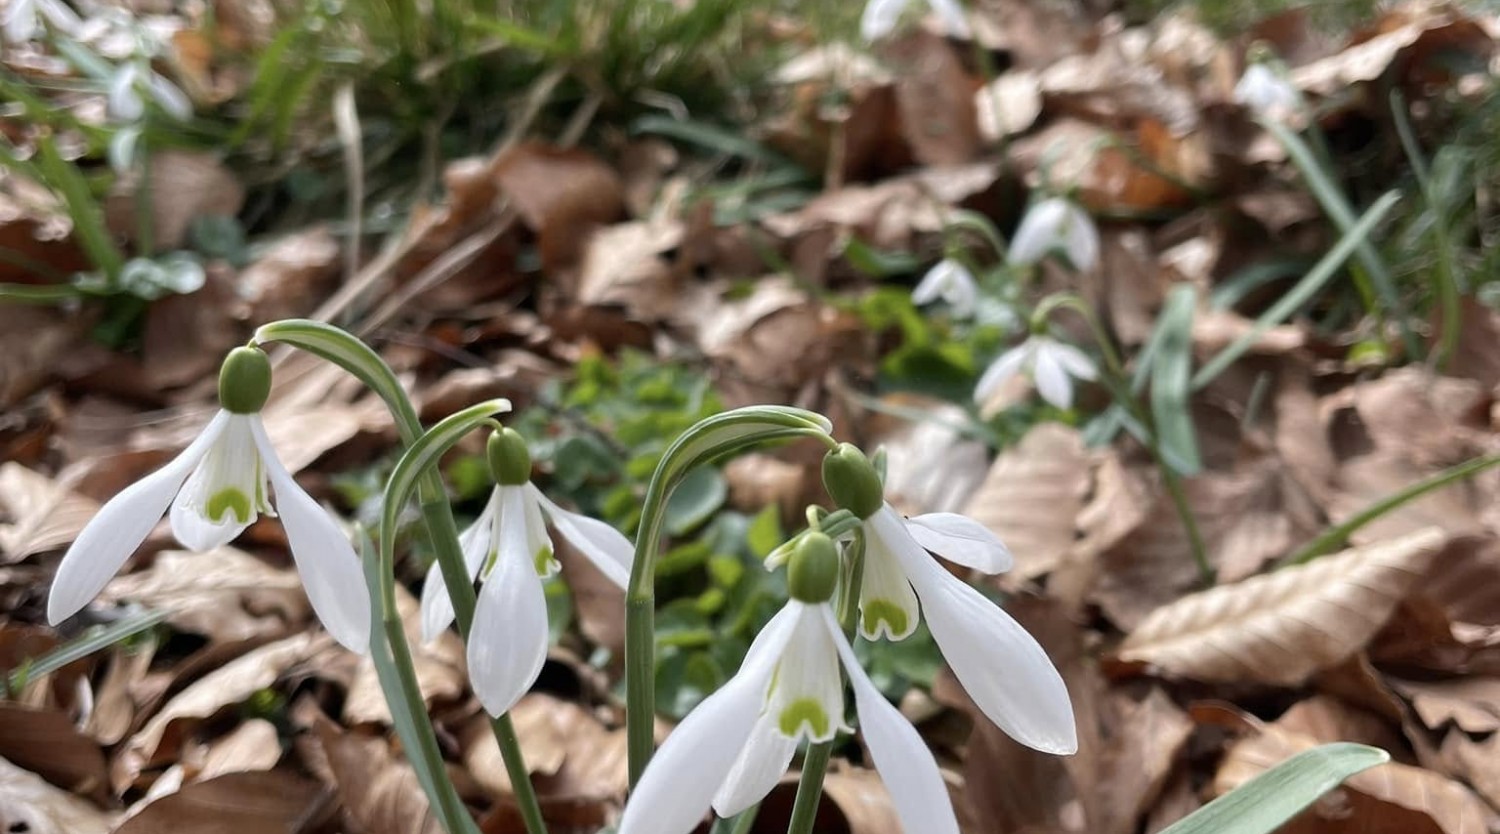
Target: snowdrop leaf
1170,381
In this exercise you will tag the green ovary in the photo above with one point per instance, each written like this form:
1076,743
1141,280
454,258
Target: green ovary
229,500
803,711
877,610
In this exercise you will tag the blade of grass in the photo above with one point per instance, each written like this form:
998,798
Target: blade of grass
1357,235
1171,377
1446,274
93,641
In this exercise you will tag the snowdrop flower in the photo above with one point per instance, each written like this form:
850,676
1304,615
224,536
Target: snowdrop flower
1053,365
1004,670
1056,223
881,16
508,545
125,103
1267,93
22,19
733,748
214,489
953,283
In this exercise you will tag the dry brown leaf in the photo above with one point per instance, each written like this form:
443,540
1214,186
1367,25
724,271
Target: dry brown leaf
379,790
863,799
630,264
237,803
934,99
32,341
229,685
29,804
1476,761
931,465
1471,704
226,594
1008,105
1406,798
253,746
45,742
290,278
1284,627
114,710
184,186
1326,719
440,668
572,756
1367,479
562,194
41,513
1033,495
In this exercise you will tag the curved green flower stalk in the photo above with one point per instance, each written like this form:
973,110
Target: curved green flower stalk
348,352
710,438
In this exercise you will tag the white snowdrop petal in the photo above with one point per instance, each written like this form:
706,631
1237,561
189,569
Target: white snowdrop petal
119,528
807,698
766,757
124,102
880,18
1081,239
1074,361
1039,233
1001,370
330,570
605,546
1003,668
887,604
170,97
684,776
905,765
225,493
1052,382
18,21
474,543
961,540
508,642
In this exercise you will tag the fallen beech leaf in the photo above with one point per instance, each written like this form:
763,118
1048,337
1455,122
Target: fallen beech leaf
226,594
1405,798
379,790
185,185
43,513
1008,105
1366,479
237,803
32,340
229,685
29,804
864,801
572,756
1471,704
114,710
294,274
1327,719
630,264
562,194
1033,495
46,742
931,466
1476,761
1283,627
934,98
253,746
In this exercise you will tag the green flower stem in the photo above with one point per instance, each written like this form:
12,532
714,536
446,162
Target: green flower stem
1118,383
815,763
1338,535
708,439
353,355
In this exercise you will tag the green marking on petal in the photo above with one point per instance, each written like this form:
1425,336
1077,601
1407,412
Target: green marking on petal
876,611
227,500
543,562
803,711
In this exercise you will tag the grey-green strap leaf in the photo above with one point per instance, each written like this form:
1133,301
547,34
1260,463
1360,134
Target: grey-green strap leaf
92,641
1171,374
1261,805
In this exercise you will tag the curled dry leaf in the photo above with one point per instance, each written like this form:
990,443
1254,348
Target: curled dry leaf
41,513
29,803
237,803
562,194
379,790
572,756
1390,799
1470,704
225,594
1282,628
1032,497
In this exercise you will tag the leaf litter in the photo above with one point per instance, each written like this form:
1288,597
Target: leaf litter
545,257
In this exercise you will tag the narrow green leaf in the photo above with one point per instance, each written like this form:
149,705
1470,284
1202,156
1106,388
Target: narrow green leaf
87,215
92,641
1322,271
715,435
710,137
1171,374
1261,805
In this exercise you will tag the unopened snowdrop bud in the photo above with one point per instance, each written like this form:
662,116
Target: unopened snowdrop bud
510,460
813,572
244,380
852,481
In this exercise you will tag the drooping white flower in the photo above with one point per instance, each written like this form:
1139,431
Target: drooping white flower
1056,224
214,489
1267,92
509,547
953,283
1003,668
1053,366
22,19
125,102
733,748
881,16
